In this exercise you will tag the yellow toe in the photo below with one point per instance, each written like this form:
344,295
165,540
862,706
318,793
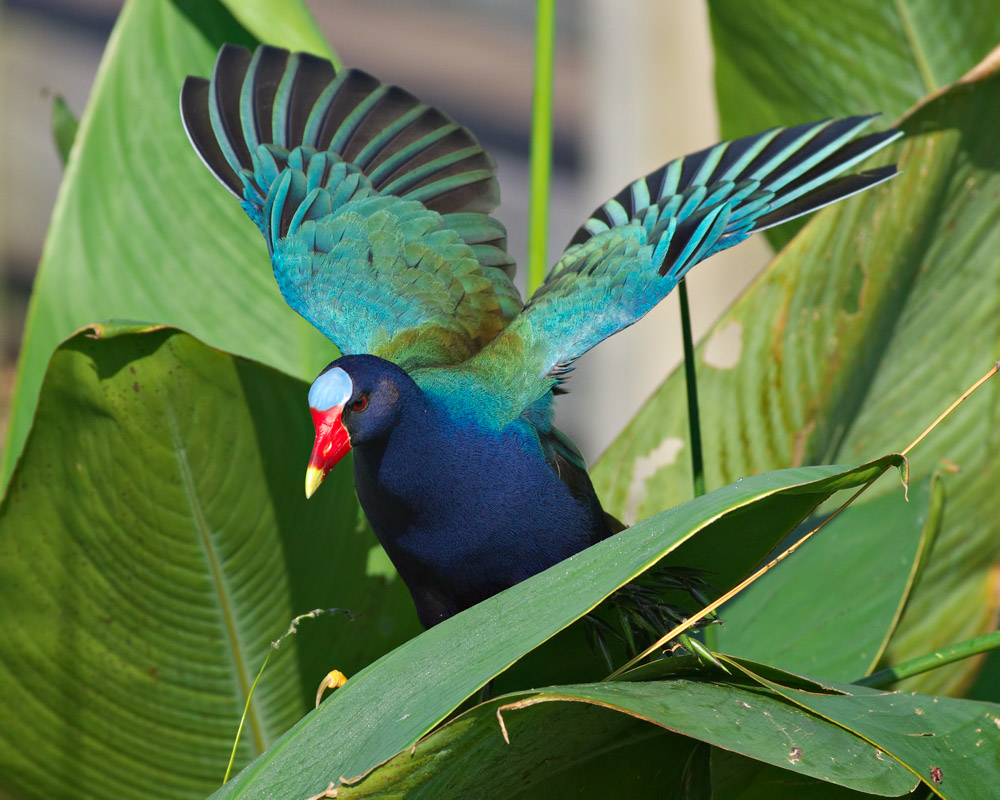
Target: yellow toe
334,680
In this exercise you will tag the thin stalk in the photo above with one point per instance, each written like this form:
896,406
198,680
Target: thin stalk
541,143
939,658
246,710
293,628
694,418
989,374
710,633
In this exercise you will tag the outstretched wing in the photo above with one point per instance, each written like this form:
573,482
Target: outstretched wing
636,247
375,207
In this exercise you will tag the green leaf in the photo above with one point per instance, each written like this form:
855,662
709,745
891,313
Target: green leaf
952,745
550,728
288,25
987,685
555,751
154,540
141,230
736,777
429,677
872,321
64,127
784,62
804,617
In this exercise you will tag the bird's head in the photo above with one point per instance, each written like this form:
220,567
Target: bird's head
356,399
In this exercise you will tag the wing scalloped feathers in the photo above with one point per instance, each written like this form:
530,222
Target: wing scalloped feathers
313,153
411,288
636,247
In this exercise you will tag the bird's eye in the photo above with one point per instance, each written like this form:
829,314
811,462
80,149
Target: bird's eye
360,404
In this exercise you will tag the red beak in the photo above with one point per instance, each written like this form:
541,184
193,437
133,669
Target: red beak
332,443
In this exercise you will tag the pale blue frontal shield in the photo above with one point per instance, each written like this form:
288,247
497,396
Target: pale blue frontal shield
332,388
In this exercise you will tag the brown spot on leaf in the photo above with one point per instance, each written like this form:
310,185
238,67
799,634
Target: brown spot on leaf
801,439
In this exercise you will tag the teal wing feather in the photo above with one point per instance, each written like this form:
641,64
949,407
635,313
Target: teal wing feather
636,247
375,207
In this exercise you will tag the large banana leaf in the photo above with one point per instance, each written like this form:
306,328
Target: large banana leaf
140,229
736,777
154,541
951,745
857,738
877,315
284,24
558,728
391,704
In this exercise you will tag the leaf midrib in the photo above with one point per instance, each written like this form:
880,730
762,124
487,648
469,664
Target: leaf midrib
218,580
920,59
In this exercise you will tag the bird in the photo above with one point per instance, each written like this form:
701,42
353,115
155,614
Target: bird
376,210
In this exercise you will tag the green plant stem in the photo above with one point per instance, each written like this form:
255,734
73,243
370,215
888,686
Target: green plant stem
541,143
939,658
246,710
694,419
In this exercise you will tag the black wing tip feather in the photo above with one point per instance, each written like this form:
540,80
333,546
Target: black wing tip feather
827,194
232,64
198,127
841,187
211,111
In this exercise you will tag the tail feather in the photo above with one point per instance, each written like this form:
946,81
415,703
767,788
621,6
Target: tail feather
201,133
794,150
816,187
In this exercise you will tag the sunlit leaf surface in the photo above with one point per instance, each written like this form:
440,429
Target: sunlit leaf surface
154,541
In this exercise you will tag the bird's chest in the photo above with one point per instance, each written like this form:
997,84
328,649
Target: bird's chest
434,480
458,507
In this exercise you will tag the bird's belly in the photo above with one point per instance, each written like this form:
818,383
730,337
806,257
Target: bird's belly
460,561
481,531
460,535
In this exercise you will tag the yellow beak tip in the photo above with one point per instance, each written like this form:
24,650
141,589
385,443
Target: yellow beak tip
314,477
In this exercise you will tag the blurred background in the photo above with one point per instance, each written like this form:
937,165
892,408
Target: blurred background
633,90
